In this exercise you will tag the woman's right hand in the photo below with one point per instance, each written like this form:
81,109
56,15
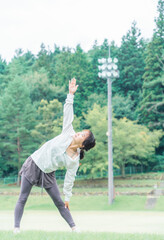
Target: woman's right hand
67,205
72,86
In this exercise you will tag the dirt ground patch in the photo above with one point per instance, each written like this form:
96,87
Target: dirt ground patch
94,221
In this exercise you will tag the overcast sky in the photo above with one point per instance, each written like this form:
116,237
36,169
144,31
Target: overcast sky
28,23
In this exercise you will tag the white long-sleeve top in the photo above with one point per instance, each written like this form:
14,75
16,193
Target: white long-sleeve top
52,155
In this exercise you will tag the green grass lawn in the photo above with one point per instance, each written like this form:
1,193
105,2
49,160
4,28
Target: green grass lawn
86,196
40,235
83,190
84,203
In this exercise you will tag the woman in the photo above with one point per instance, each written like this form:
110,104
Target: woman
63,150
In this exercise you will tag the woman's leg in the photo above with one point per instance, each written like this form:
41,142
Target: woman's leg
65,213
24,193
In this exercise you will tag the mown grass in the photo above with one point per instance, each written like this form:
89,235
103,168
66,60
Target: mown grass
86,196
42,235
84,203
136,182
104,190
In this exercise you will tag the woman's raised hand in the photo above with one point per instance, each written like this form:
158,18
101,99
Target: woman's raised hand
72,86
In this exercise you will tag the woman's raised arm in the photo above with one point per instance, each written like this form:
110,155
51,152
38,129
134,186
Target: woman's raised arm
68,106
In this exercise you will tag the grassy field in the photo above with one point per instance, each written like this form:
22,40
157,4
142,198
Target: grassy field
136,182
88,196
41,235
84,203
83,190
93,195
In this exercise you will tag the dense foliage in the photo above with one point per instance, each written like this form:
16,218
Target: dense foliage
33,90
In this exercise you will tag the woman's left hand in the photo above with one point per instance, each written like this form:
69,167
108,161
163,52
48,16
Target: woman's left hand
67,205
72,86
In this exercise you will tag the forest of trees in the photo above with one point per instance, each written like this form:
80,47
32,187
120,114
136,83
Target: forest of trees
33,90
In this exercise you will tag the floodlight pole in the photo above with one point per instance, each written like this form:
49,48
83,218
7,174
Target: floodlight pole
108,70
110,155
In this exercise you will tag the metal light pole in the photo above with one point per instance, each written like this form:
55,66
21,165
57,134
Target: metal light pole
108,70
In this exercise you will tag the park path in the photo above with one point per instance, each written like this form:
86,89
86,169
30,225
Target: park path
94,221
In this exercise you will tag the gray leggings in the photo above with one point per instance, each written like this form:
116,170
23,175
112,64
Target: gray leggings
54,193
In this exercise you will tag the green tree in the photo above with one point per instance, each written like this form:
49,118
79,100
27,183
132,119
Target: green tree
46,59
133,144
69,65
3,73
20,64
131,65
152,104
122,107
41,88
16,122
151,107
42,60
51,68
100,99
3,65
49,121
96,159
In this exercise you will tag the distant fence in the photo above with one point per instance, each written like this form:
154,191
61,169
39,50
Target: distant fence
8,180
61,174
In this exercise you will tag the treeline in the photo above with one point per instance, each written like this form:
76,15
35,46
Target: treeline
33,90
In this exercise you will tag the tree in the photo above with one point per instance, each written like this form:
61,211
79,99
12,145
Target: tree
16,122
46,59
99,99
122,107
131,65
49,121
133,144
96,159
41,88
151,107
76,65
43,58
3,73
3,65
152,104
20,64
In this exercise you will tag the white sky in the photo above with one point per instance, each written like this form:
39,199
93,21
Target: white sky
28,23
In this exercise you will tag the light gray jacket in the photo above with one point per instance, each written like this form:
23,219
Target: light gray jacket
52,155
